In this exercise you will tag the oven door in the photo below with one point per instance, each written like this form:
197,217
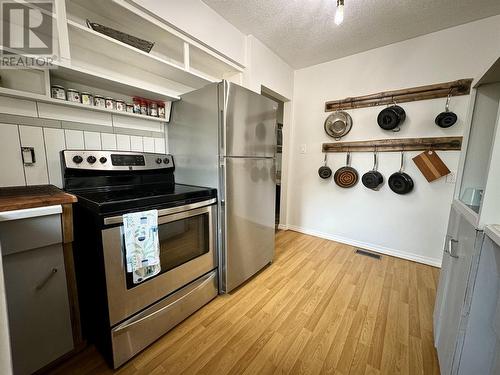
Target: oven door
187,238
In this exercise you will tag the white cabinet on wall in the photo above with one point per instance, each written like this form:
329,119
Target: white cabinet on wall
11,163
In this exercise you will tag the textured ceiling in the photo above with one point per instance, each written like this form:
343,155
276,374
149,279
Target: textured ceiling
302,32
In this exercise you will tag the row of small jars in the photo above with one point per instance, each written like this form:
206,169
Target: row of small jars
141,107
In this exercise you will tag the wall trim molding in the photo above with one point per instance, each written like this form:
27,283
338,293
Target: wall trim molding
376,248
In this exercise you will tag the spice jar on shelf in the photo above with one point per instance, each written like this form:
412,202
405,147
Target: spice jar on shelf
144,108
58,92
110,103
161,110
153,109
73,95
99,101
130,108
87,98
120,106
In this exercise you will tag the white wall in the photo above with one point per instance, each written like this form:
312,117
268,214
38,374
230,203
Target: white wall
201,22
411,226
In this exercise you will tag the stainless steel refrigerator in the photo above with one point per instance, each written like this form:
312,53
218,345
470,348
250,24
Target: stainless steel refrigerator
224,136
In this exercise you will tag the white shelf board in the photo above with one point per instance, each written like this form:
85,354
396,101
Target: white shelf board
44,99
110,47
83,75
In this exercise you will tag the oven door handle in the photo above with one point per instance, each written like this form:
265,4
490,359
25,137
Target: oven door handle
144,316
164,212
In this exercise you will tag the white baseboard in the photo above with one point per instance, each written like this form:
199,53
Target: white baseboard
376,248
282,227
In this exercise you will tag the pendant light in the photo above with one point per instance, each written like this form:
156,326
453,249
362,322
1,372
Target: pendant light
339,13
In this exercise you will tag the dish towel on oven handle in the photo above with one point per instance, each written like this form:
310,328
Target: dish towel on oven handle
142,249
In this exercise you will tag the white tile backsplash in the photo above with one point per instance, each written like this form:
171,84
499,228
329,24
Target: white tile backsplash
92,140
160,145
148,144
54,143
108,141
74,139
11,163
136,143
37,173
123,142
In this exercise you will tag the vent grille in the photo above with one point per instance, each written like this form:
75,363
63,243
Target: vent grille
368,254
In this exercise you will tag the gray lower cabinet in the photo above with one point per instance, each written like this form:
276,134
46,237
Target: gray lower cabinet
467,309
36,290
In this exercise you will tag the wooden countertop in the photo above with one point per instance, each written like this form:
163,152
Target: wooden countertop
22,197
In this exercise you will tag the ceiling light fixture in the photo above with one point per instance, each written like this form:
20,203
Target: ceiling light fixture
339,13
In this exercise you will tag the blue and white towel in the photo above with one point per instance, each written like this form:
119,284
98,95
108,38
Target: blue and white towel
142,250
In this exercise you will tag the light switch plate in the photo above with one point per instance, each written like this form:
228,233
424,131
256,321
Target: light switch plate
303,148
451,178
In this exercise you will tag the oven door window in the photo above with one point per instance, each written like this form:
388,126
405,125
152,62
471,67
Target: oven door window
180,241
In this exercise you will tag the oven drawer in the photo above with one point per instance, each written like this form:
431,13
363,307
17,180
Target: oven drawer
136,333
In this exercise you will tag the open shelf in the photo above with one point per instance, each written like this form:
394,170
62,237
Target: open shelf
103,45
44,99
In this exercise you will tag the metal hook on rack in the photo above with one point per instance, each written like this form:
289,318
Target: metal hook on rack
448,98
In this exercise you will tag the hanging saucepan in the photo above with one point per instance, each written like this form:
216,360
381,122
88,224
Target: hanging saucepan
400,182
447,118
391,118
325,171
347,176
338,124
373,179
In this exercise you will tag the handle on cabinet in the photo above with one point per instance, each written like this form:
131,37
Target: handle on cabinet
449,248
53,271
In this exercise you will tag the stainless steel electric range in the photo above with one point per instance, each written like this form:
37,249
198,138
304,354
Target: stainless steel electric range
122,317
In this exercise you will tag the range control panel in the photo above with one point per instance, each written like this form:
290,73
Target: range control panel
115,160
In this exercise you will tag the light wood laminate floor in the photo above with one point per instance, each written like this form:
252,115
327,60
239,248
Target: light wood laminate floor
318,309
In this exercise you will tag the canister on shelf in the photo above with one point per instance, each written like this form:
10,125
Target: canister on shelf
161,111
87,98
120,106
73,95
99,101
110,103
137,107
58,92
153,109
130,108
144,108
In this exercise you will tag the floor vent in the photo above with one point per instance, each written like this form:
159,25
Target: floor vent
368,254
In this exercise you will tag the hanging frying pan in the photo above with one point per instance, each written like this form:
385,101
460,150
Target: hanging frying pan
325,171
447,118
338,124
346,177
373,179
391,118
400,182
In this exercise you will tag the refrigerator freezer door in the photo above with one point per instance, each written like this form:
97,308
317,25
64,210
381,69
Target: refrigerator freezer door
248,211
250,123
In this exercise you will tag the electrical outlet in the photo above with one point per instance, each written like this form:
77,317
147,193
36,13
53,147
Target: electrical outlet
303,148
451,178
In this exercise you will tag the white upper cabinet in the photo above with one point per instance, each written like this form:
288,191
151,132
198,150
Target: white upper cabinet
477,195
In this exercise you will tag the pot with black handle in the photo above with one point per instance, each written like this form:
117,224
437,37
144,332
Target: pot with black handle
400,182
447,118
324,171
391,118
346,177
373,179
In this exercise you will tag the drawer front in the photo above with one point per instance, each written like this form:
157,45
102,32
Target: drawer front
30,233
38,307
133,335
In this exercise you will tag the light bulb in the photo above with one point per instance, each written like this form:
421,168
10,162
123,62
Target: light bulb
339,13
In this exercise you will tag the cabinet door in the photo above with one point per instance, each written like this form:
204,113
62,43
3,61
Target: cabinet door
444,275
11,164
38,307
459,258
36,174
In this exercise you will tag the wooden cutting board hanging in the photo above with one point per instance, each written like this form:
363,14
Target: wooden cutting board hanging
431,165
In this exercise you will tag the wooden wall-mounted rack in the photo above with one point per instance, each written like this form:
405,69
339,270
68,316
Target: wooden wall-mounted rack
440,90
402,144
